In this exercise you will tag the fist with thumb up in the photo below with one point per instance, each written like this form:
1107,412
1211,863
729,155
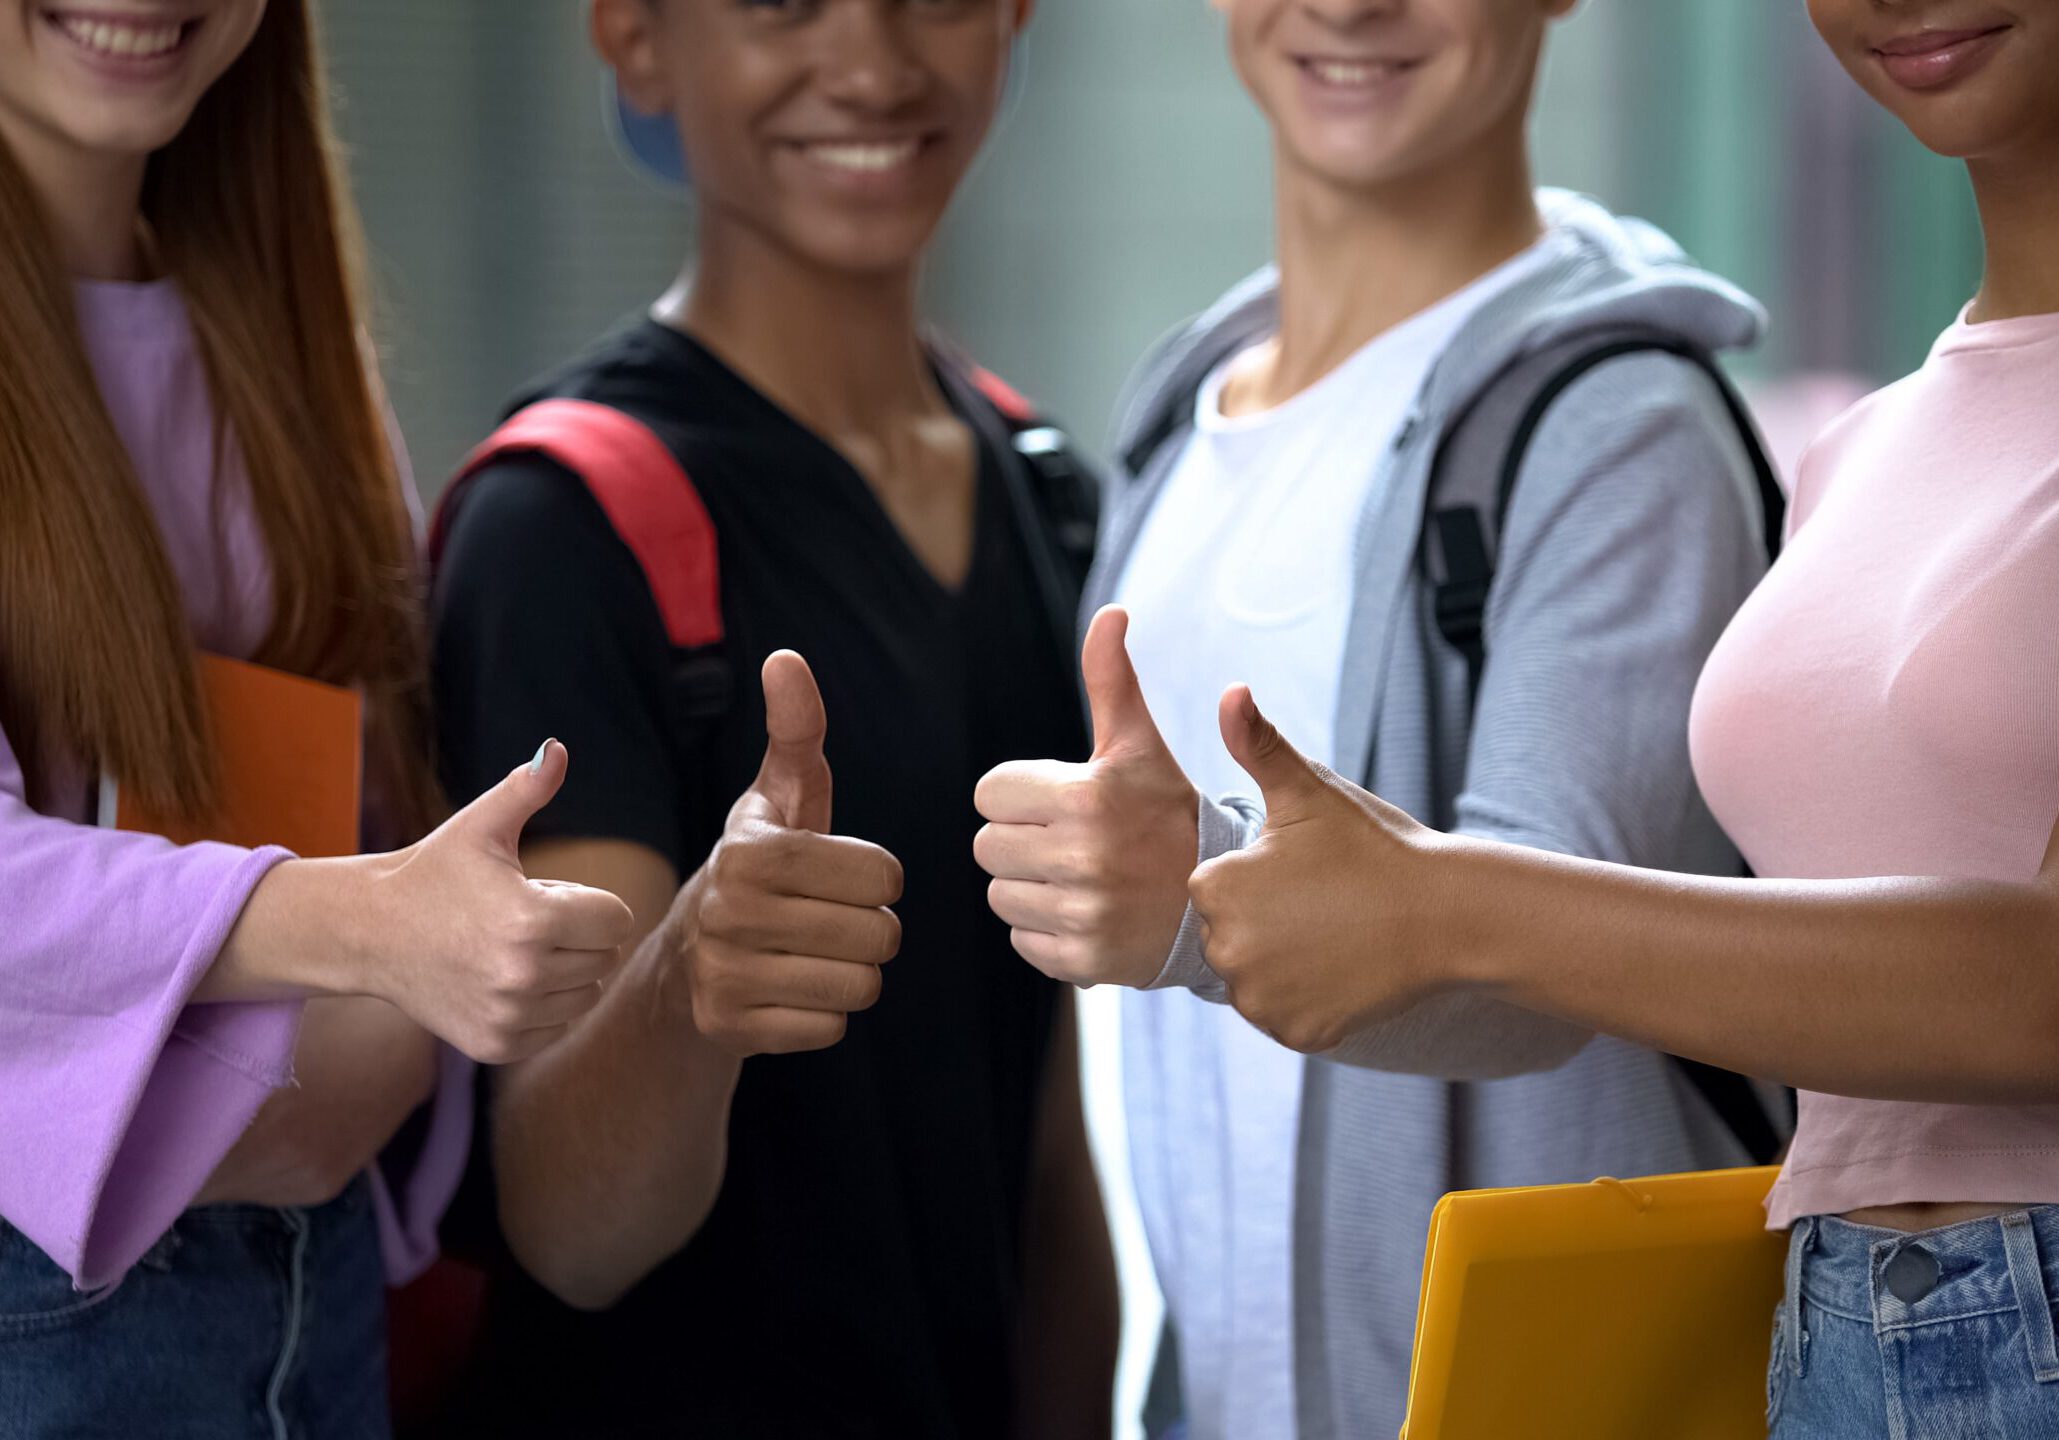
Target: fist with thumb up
467,945
1090,861
1336,916
785,927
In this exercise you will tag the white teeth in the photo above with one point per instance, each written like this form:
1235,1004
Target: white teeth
1338,72
863,159
129,41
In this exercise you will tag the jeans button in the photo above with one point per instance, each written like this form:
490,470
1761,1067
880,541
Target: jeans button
1912,1274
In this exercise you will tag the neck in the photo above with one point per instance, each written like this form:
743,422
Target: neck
2019,218
1356,262
93,202
840,352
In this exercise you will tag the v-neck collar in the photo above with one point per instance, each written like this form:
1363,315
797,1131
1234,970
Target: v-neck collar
769,411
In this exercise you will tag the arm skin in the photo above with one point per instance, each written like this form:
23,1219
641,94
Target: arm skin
769,946
1888,989
449,930
360,1069
1071,1322
1347,911
609,1148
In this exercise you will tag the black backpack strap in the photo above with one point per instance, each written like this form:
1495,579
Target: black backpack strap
1472,484
1051,488
1739,1105
1473,475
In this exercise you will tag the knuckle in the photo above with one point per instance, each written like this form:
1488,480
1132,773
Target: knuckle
887,936
870,986
890,879
780,851
517,971
718,910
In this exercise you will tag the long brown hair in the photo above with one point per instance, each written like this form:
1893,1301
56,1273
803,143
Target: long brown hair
248,213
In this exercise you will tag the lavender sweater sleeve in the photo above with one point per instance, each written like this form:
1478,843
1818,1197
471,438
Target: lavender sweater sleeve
118,1098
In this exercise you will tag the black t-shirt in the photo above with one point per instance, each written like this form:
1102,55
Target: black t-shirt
859,1273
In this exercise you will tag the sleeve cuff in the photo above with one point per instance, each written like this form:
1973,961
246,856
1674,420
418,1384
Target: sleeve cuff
1223,826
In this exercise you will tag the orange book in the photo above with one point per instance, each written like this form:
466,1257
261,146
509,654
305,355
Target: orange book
292,764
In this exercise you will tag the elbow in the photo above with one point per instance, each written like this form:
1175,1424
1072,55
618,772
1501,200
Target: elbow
585,1266
566,1266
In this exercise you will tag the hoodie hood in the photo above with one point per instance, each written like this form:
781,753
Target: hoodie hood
1605,272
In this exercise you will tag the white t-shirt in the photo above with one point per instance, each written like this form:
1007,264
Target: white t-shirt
1244,570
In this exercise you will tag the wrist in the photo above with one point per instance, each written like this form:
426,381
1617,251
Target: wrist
298,936
1481,884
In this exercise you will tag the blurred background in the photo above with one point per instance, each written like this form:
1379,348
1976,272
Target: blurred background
1127,187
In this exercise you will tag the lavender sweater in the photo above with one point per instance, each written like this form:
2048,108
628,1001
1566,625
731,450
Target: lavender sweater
118,1098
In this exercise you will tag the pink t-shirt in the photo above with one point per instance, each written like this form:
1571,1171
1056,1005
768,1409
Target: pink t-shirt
1887,703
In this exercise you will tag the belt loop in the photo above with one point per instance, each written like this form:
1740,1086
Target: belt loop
2027,1272
1798,1247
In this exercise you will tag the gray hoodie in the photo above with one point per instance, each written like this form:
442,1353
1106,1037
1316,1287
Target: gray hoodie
1633,537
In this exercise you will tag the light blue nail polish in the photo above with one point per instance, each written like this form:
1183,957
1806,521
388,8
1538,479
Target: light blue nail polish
536,765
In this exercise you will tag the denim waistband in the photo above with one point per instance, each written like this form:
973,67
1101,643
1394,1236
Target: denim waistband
1995,1263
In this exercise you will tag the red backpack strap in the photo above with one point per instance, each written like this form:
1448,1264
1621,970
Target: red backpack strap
641,486
1014,406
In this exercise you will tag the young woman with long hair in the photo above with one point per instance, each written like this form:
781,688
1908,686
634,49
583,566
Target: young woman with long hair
194,456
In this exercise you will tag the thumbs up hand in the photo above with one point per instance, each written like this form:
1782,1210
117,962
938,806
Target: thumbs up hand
495,963
785,927
1336,916
1090,861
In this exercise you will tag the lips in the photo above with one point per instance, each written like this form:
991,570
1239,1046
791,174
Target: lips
1342,74
861,157
123,46
1933,59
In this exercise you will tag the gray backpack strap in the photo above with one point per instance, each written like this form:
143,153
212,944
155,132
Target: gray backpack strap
1472,480
1473,475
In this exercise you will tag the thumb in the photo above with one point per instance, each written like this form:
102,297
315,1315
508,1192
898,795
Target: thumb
494,821
794,777
1115,699
1289,780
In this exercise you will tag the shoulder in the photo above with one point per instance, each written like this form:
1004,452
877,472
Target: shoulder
527,523
1825,456
1648,420
641,368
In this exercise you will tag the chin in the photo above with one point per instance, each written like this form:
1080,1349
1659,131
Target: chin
868,247
1959,132
1354,167
122,131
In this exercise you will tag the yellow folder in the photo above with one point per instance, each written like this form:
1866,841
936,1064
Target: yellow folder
1617,1310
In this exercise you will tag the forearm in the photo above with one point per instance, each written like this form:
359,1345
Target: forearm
1882,988
610,1147
300,933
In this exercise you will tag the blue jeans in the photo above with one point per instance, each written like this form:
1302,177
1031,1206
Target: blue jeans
242,1323
1938,1335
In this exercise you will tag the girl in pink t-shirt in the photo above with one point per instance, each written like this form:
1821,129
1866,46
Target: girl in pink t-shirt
1887,704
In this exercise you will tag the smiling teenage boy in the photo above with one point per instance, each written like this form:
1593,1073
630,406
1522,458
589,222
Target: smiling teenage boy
1456,486
817,1161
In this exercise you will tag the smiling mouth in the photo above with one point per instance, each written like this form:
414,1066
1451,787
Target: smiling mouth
1934,59
121,37
861,157
1355,74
